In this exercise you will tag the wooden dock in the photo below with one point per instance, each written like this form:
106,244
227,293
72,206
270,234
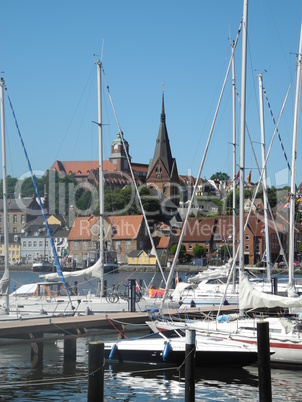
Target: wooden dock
38,331
81,325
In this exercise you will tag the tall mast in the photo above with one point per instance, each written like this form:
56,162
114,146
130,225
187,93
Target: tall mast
4,283
242,137
293,176
234,161
264,182
101,182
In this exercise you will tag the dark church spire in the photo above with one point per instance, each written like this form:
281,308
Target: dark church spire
162,149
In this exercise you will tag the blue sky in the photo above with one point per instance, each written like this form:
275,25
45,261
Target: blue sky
47,53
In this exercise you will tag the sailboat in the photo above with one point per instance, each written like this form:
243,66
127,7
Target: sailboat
169,348
52,295
285,331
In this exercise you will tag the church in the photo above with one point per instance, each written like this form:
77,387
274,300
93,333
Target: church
161,174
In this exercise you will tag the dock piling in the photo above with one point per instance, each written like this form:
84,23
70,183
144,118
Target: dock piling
190,366
96,372
264,364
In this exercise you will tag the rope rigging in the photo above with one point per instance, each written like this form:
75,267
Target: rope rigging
134,181
57,263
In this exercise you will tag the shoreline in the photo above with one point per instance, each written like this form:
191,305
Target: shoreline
147,268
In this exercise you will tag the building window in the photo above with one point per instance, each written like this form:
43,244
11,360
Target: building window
85,245
128,244
40,243
15,219
190,246
247,247
76,245
30,244
117,245
14,230
35,243
22,218
247,237
24,244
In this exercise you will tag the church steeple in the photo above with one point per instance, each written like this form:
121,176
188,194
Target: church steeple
162,171
162,149
118,155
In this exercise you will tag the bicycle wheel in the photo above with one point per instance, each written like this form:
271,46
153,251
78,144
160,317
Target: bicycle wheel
112,298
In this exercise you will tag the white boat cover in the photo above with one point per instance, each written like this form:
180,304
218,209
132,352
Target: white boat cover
251,298
4,283
213,273
27,289
93,271
221,272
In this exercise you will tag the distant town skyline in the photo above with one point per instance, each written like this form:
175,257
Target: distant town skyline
47,56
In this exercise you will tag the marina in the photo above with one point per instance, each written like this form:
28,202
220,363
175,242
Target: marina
154,335
57,379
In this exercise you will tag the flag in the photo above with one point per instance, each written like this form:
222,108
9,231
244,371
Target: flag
285,206
264,257
249,177
298,199
236,178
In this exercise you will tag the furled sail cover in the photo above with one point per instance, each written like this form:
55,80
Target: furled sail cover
216,272
93,271
4,284
250,298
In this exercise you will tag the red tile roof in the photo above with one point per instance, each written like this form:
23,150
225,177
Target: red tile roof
80,168
163,242
126,226
81,228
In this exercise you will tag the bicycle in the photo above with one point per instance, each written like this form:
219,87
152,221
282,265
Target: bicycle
116,294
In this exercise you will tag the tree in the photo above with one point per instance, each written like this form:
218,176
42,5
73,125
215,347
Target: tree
225,252
199,251
182,251
220,176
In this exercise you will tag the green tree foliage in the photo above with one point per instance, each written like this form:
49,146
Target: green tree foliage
271,196
182,251
10,183
225,252
220,176
199,251
124,201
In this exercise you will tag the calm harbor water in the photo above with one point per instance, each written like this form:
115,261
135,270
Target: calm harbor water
126,382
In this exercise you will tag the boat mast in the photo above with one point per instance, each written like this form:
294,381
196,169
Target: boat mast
264,182
293,176
5,279
234,161
242,137
101,181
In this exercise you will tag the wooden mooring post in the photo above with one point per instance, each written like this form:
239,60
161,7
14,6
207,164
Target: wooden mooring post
190,366
96,372
264,363
70,355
